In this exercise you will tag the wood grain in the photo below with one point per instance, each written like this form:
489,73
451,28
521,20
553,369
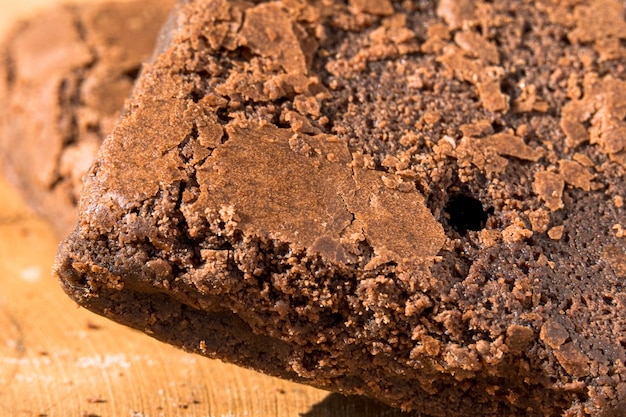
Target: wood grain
59,360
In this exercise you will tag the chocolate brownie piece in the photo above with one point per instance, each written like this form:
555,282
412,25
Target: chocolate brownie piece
418,201
64,77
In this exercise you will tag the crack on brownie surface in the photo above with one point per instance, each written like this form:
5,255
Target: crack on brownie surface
299,175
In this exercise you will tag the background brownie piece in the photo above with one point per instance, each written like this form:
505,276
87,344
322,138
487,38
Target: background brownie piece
417,201
65,76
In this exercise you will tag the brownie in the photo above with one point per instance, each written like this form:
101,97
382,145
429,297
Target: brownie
418,201
64,76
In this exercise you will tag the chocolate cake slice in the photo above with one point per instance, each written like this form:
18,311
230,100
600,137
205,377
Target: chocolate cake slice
64,76
418,201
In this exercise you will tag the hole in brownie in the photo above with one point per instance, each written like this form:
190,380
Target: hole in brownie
310,361
196,96
608,299
498,126
466,213
223,115
527,28
510,85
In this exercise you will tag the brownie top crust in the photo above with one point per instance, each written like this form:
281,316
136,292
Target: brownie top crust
419,201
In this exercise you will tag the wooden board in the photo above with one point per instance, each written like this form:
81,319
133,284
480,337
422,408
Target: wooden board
59,360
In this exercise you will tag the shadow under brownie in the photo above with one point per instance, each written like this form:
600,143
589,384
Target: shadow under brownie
421,202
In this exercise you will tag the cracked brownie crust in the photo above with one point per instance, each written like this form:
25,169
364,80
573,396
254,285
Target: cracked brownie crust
417,201
64,77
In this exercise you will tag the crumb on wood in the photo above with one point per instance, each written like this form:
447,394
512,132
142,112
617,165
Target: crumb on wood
93,326
96,400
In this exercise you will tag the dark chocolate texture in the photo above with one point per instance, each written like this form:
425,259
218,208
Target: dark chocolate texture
64,77
422,202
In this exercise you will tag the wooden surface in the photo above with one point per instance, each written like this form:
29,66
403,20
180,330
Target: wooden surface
59,360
